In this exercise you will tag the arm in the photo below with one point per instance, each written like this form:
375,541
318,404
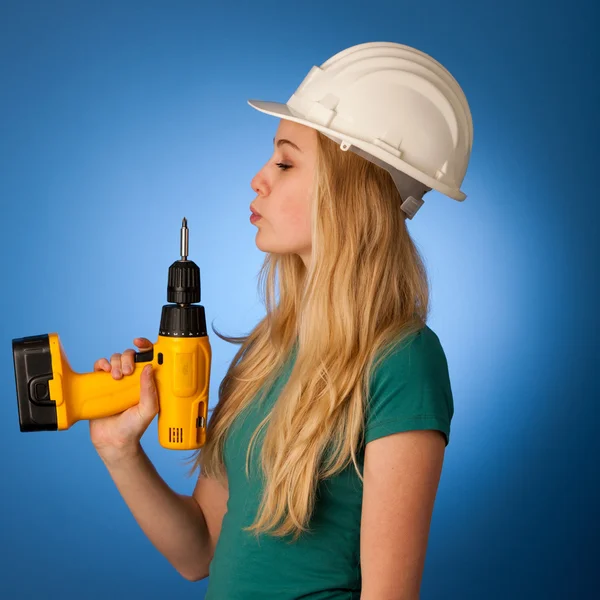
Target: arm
174,523
401,477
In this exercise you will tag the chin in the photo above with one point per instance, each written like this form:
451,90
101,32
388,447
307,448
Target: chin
274,247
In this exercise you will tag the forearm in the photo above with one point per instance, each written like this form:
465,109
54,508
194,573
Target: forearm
174,523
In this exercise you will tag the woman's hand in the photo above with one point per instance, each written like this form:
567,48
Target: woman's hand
117,435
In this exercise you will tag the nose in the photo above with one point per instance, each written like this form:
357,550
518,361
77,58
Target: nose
259,183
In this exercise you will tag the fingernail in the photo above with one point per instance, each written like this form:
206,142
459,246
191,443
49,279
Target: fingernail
148,368
126,369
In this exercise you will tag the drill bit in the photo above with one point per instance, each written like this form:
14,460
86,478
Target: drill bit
184,239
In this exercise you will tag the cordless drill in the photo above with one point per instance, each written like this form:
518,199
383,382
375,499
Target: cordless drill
51,396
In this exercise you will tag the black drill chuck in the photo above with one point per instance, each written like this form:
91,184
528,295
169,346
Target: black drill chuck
184,274
183,318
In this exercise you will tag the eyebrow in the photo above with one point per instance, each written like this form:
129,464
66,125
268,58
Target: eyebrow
284,141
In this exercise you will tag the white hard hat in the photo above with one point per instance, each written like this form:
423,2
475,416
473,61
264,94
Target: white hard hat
393,105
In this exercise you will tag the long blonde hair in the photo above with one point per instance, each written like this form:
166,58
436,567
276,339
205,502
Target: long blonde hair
365,288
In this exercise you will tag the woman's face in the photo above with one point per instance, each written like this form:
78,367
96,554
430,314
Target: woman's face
284,188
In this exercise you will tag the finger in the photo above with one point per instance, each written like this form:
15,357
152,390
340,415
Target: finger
115,363
143,342
148,405
127,361
102,365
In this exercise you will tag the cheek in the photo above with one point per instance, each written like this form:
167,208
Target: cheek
295,211
296,216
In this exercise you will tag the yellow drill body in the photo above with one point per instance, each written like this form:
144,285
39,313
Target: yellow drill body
181,368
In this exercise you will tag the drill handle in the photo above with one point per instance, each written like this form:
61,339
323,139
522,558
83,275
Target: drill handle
96,395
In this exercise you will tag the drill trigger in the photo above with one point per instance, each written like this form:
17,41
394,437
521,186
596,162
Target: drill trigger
146,356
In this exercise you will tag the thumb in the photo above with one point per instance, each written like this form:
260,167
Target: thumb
148,405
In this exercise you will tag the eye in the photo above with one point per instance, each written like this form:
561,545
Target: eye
283,166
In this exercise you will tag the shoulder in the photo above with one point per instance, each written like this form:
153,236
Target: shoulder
419,355
410,387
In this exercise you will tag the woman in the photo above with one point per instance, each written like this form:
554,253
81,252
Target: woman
325,449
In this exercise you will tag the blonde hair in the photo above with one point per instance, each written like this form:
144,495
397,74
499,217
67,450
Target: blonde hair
366,287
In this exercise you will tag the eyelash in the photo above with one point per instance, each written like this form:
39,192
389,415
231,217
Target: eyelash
282,165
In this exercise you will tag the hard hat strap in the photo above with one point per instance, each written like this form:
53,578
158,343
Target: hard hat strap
411,190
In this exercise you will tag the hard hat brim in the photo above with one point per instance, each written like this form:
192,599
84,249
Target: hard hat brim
284,111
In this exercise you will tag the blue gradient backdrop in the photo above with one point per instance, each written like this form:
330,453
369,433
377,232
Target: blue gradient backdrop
120,118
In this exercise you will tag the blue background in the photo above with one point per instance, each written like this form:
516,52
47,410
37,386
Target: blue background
117,119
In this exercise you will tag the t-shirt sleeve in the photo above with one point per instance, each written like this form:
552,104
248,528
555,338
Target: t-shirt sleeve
410,389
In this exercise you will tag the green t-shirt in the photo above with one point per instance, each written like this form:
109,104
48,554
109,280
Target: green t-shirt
410,390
